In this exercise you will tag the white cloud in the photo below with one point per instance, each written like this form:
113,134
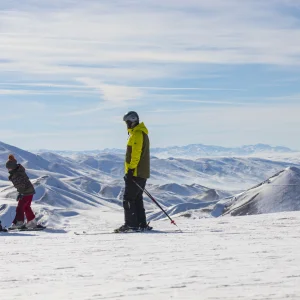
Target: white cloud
187,88
44,92
105,34
62,133
112,92
42,84
115,46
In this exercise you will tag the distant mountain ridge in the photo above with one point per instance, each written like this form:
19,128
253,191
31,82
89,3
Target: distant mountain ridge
192,150
211,150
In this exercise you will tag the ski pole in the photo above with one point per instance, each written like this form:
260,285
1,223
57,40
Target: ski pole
149,195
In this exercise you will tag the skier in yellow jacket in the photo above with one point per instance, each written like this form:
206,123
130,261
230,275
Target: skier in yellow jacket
137,170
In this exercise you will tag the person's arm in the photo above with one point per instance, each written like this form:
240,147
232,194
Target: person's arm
20,183
136,152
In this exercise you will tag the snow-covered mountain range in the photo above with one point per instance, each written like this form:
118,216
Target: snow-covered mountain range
190,151
86,180
199,150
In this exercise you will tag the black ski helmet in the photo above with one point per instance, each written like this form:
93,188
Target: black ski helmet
131,119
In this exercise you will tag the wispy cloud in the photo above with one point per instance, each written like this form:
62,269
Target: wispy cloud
44,92
42,84
116,44
157,56
188,88
210,102
96,33
112,92
63,133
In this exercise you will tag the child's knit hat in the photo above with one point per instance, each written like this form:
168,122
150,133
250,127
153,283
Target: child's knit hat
11,163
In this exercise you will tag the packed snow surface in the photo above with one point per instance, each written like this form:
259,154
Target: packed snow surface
245,258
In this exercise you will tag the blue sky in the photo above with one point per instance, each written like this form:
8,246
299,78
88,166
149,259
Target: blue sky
213,72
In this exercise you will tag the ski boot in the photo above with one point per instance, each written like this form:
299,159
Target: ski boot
18,225
145,227
31,224
126,228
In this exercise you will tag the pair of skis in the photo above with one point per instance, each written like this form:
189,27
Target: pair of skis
127,232
38,228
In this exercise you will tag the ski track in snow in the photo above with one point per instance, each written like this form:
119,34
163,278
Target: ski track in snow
252,257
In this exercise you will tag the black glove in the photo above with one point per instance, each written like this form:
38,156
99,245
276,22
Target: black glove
129,176
19,197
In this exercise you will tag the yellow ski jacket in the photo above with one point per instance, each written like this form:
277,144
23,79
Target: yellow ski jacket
138,152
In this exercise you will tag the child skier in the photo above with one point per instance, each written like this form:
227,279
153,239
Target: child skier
26,191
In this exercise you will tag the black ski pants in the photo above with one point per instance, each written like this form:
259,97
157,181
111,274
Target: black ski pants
133,203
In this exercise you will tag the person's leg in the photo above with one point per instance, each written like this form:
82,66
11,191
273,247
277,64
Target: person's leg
140,210
129,204
27,208
19,212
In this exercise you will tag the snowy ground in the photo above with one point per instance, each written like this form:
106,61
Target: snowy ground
253,257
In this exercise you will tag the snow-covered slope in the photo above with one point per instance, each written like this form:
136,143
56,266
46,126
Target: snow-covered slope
279,193
30,160
195,197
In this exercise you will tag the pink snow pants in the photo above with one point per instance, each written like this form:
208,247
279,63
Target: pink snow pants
24,208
